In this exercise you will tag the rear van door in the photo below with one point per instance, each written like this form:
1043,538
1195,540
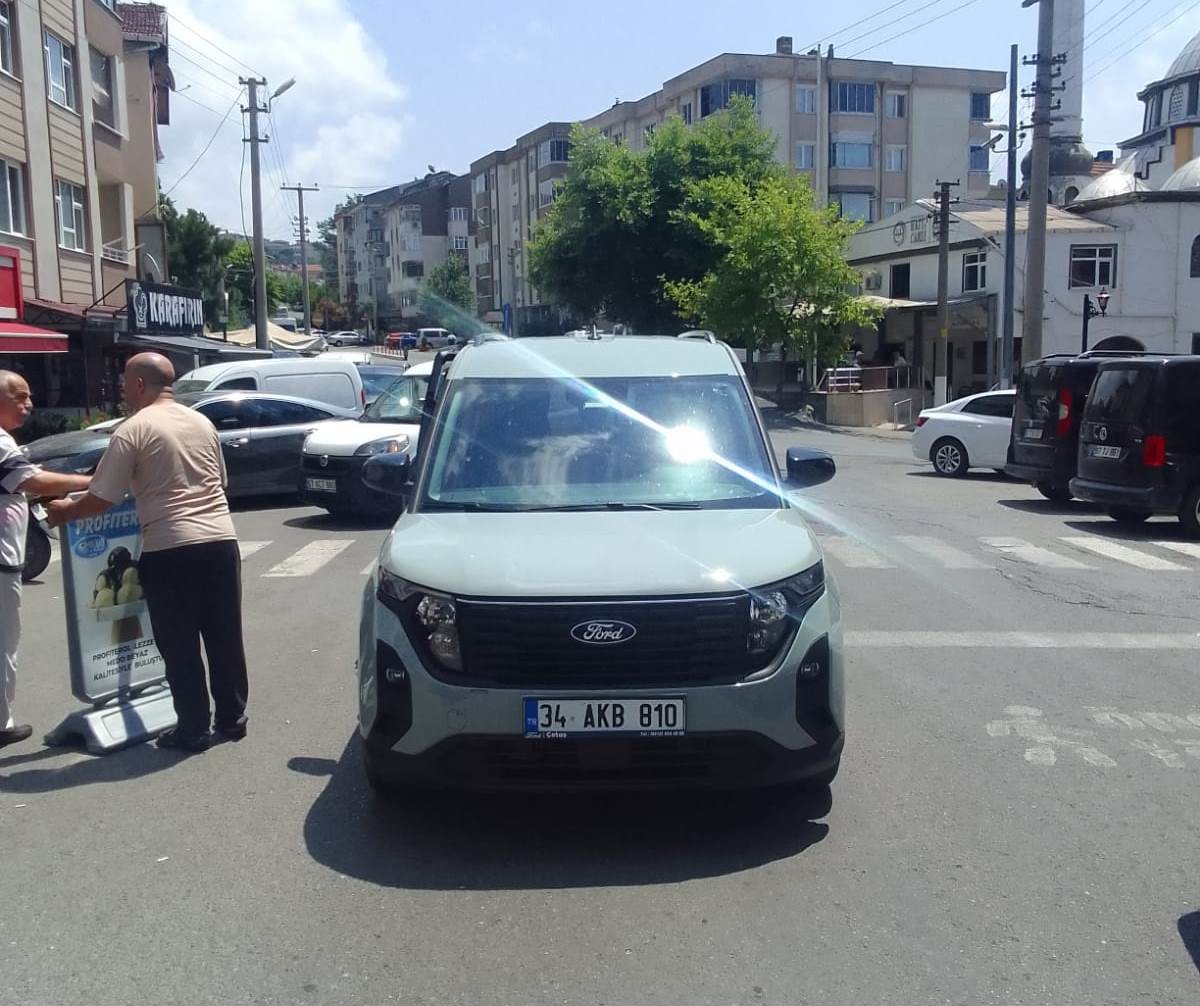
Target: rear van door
1117,438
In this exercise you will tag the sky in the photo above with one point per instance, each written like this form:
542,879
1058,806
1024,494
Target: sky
386,89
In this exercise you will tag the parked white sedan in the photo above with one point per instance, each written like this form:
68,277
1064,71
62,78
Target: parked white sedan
971,432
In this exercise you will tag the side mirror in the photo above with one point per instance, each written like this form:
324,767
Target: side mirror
807,467
388,473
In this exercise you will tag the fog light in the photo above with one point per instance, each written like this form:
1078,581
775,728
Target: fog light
395,675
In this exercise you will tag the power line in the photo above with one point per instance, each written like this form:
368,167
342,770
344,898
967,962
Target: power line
211,140
204,69
189,83
188,97
916,27
1137,45
232,71
200,35
888,24
851,27
1119,25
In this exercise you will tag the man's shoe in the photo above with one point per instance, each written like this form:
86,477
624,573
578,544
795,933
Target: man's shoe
191,743
15,734
234,731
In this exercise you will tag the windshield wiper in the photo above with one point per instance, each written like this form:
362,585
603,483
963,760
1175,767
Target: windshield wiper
467,506
617,505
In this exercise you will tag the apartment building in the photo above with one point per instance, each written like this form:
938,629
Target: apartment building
362,250
84,86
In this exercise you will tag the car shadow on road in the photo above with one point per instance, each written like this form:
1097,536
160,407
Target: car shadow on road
337,522
540,841
80,768
1045,508
1189,932
1153,530
250,504
974,475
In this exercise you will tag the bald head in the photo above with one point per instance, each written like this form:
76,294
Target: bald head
148,377
16,403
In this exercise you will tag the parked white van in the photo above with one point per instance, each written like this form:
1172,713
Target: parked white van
320,379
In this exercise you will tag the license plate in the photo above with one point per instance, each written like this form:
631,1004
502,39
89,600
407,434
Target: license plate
559,718
321,485
1032,433
1103,451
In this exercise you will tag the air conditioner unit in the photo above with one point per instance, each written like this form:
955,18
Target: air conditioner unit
873,281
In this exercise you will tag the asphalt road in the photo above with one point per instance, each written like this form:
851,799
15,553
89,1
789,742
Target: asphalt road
1015,821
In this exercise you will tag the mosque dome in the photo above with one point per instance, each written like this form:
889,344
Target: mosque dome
1118,182
1185,179
1188,60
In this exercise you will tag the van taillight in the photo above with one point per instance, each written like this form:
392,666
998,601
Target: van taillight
1065,400
921,420
1154,452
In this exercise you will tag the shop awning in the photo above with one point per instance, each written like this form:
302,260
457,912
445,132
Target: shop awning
17,337
190,343
903,304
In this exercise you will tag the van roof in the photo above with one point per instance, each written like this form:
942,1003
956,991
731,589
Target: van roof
214,371
603,356
1165,360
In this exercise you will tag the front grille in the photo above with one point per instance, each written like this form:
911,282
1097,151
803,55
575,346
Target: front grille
335,466
686,641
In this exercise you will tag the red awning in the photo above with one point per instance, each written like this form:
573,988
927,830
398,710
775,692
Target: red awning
17,337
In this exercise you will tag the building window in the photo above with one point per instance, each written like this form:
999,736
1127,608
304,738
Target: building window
104,108
60,68
895,159
851,155
715,96
1093,265
979,158
12,199
413,270
6,38
68,204
481,183
892,206
648,132
685,112
458,214
901,284
897,105
855,205
806,99
851,97
981,106
458,243
484,252
555,151
974,271
513,174
806,156
1177,103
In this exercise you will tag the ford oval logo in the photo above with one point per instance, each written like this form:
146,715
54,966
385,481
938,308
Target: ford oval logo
603,633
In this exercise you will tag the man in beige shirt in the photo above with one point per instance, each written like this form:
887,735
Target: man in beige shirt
169,457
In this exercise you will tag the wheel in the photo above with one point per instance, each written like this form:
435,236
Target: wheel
1055,494
949,457
1129,516
1189,512
37,552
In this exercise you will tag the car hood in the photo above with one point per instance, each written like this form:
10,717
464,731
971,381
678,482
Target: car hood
65,445
630,554
342,439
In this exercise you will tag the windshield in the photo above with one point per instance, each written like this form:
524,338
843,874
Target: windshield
184,386
543,443
1037,393
399,402
1121,394
375,383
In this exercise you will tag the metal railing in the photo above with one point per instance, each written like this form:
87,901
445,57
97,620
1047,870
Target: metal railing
896,412
856,379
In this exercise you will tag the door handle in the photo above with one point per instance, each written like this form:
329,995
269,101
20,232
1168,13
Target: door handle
239,442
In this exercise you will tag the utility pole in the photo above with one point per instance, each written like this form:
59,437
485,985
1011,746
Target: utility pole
300,190
252,85
1039,181
513,252
942,346
1010,232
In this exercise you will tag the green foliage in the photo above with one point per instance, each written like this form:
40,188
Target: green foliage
240,284
196,252
619,227
781,277
448,296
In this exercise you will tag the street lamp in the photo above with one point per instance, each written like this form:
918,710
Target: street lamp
1090,311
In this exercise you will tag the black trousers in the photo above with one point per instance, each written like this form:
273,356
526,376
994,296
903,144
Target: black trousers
194,592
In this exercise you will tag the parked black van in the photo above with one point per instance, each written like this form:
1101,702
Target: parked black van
1139,442
1044,443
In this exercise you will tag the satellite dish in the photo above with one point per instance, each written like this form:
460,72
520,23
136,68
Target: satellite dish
151,269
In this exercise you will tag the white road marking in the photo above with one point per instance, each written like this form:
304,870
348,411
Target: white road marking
941,553
1018,548
1125,554
311,557
1023,640
369,569
1028,723
854,554
248,548
1188,548
1169,757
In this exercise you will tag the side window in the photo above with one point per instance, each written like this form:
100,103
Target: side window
991,405
1183,414
229,415
277,413
238,384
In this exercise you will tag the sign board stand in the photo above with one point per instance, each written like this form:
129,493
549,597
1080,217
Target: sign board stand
115,666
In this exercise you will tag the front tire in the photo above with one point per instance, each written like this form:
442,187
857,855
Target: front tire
1129,516
1189,512
949,458
1055,494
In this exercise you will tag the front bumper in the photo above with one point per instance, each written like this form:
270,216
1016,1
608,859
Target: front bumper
767,730
1156,499
351,494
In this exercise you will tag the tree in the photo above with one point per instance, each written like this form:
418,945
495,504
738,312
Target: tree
240,284
447,294
618,228
781,276
197,253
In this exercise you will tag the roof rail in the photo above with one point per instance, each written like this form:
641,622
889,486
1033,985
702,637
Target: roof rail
1125,352
698,333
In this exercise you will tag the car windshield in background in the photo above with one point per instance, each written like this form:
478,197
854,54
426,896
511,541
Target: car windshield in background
1121,394
545,443
400,402
375,383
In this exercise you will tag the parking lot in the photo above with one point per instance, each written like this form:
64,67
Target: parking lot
1014,823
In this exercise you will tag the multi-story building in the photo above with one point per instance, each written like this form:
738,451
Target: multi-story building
84,85
363,252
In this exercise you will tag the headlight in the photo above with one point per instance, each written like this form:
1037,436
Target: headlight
775,609
388,445
430,618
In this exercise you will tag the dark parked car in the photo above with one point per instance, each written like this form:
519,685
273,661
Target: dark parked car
1044,443
377,379
261,436
1139,443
